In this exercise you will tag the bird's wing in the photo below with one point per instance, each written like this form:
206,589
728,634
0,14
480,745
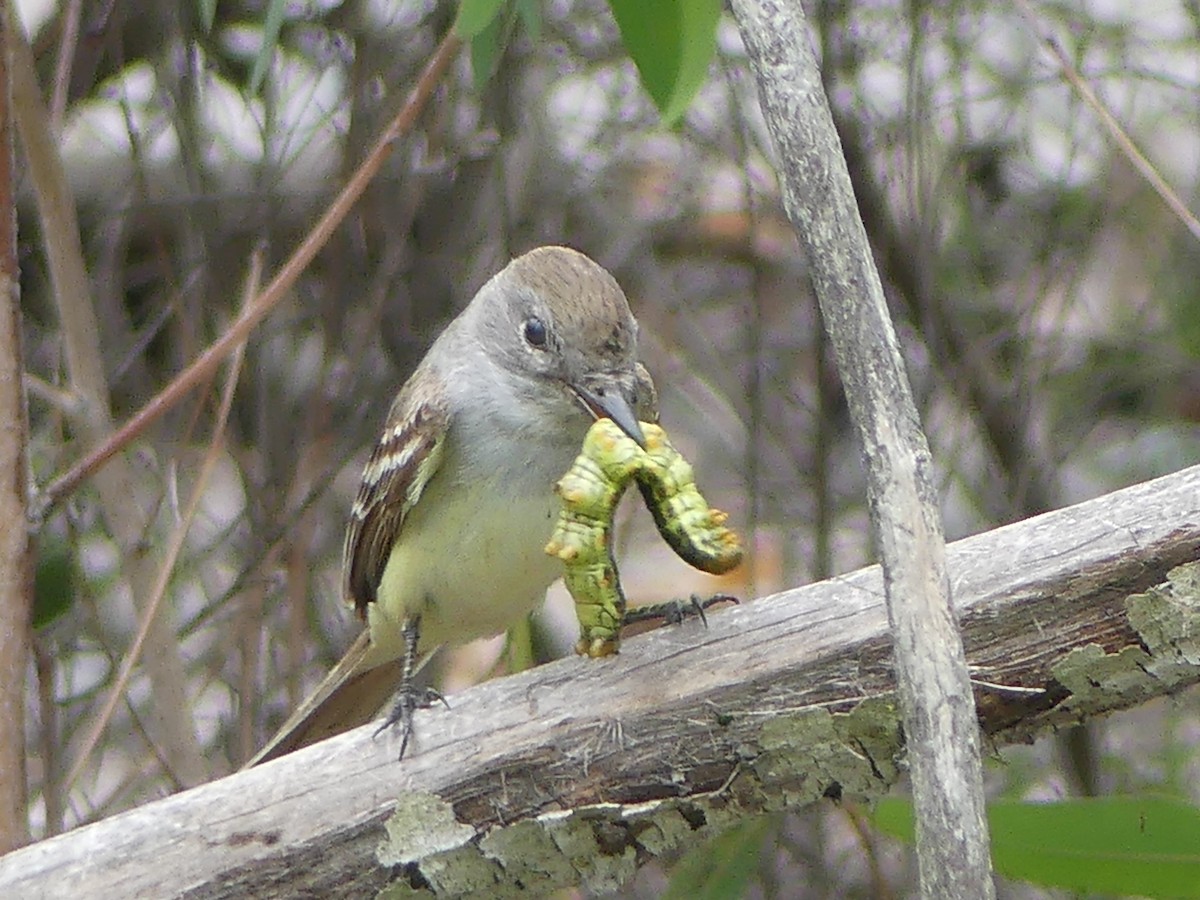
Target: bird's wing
408,452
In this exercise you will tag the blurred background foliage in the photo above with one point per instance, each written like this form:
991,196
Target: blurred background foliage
1045,297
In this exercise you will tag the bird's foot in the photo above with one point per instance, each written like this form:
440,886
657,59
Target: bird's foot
672,612
409,700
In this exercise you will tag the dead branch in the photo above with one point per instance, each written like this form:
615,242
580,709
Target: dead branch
933,682
579,771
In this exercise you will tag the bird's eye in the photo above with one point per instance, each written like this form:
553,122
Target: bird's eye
535,332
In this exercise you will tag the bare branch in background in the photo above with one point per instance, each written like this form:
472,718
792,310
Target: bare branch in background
1027,487
15,566
1116,133
174,547
115,480
121,501
204,367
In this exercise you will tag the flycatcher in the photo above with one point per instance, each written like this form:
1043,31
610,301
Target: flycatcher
445,540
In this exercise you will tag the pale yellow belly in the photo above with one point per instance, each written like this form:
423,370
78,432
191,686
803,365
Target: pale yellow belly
471,567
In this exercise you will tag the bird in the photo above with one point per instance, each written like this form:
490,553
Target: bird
445,540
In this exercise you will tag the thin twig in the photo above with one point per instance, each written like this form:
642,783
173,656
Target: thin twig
175,547
48,737
279,287
754,330
66,402
66,58
1118,134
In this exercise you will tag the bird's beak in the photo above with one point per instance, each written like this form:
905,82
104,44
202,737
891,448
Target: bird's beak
608,401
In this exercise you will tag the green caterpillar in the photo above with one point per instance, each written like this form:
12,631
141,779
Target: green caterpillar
582,538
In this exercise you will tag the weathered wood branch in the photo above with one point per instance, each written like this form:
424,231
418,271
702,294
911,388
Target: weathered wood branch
580,770
932,677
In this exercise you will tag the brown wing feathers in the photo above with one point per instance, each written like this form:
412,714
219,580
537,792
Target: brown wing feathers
401,462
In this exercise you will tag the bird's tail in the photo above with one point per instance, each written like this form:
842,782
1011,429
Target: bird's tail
351,695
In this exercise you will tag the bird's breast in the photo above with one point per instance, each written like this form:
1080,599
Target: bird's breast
470,558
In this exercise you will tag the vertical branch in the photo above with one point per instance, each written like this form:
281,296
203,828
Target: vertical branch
15,599
48,747
245,646
825,514
117,485
755,326
67,46
935,691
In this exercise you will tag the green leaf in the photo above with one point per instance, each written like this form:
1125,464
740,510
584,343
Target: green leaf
724,867
487,47
474,16
53,580
530,13
270,39
671,42
1144,845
